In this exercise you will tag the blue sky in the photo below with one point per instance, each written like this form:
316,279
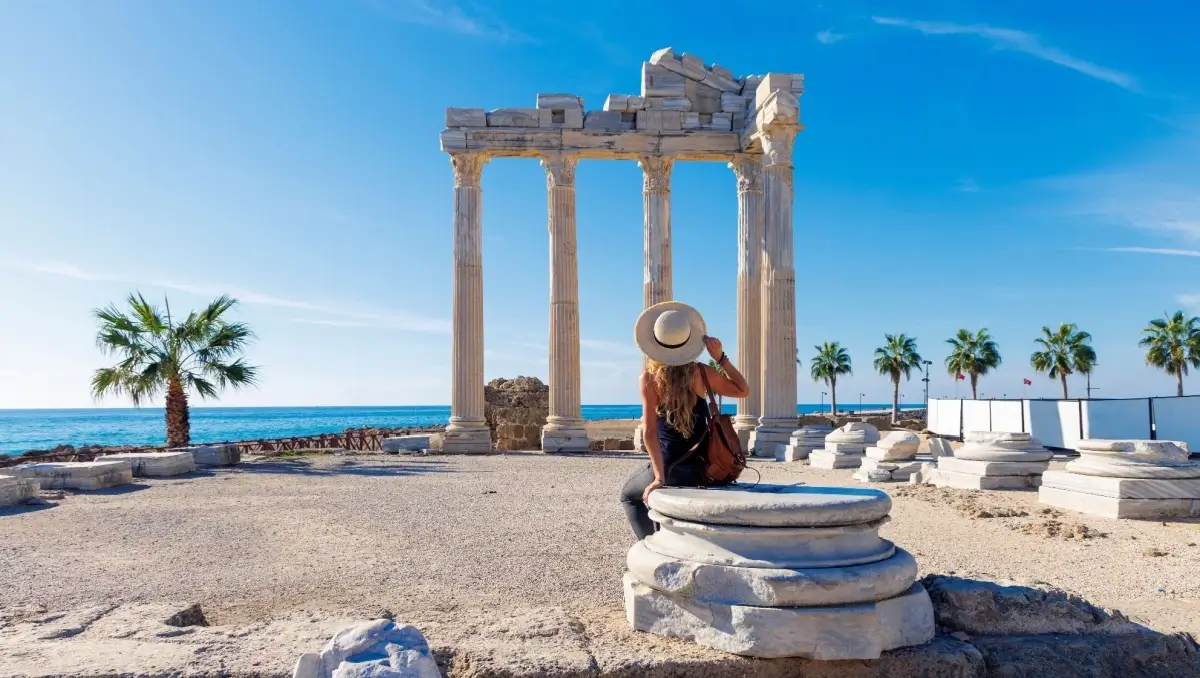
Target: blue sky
965,164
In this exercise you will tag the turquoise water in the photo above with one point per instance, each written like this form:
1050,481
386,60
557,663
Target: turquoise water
22,430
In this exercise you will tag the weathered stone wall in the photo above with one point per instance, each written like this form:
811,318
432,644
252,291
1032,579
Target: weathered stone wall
516,410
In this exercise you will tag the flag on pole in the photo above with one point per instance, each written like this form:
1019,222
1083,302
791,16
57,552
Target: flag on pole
960,376
1027,382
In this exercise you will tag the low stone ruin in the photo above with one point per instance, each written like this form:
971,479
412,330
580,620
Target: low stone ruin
994,461
803,441
16,489
515,411
844,447
893,458
157,464
226,454
78,475
408,443
776,571
1126,479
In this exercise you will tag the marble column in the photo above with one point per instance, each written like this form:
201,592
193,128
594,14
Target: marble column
467,431
748,169
656,204
564,430
656,207
778,418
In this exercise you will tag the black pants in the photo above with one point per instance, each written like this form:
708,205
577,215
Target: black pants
680,475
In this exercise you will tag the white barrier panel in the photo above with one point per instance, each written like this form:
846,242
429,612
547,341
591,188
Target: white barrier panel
949,417
976,416
1042,420
1007,416
1069,417
931,414
1117,419
1178,419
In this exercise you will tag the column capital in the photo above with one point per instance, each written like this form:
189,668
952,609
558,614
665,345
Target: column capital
560,169
656,172
748,169
777,142
467,168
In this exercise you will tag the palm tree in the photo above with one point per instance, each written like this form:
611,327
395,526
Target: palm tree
201,354
973,355
1064,352
828,364
1172,344
895,358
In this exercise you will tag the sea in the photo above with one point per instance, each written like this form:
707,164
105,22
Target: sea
22,430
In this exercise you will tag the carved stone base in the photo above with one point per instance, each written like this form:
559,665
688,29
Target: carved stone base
463,438
769,441
560,436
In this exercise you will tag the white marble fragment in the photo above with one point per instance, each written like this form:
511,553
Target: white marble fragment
380,649
16,489
721,71
466,117
158,464
78,475
613,120
409,443
692,66
732,103
213,455
513,117
616,102
660,82
563,101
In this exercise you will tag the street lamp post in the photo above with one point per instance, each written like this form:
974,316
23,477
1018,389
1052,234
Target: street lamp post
860,405
926,380
823,394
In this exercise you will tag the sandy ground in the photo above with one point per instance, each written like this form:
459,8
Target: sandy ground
426,536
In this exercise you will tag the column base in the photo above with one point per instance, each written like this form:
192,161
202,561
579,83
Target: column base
770,440
463,437
745,425
561,434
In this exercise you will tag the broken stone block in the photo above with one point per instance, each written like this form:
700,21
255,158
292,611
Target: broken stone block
722,72
720,122
659,82
738,122
650,121
692,66
514,117
636,103
16,489
379,648
771,82
410,443
718,82
704,99
78,475
214,455
750,86
157,464
732,103
668,104
466,117
690,121
560,118
616,102
614,120
454,140
672,121
563,101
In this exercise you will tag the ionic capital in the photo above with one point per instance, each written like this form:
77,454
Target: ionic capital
656,172
560,169
777,142
748,169
468,167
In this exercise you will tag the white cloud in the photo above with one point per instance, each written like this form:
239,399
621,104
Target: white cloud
388,319
465,19
1155,250
1190,301
828,37
1019,41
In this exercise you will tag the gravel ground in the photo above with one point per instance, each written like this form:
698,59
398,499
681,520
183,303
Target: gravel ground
427,536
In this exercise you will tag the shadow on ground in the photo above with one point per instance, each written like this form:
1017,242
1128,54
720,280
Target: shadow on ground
305,467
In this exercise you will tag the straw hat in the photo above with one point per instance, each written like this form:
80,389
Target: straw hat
671,333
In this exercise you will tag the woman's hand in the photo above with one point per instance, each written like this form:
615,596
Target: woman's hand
713,345
650,488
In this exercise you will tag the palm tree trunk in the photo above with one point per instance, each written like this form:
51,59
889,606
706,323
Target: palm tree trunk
1063,376
895,399
833,396
179,432
974,384
1179,382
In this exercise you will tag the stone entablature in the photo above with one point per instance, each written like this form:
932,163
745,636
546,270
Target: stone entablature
686,110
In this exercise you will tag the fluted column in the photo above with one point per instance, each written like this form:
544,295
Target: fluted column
467,431
778,367
564,430
656,204
748,169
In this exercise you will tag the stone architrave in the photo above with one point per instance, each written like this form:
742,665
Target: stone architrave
564,430
1126,479
994,461
777,571
845,447
467,431
779,417
748,170
78,475
158,464
213,455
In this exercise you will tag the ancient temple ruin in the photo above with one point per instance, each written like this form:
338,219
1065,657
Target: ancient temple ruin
686,110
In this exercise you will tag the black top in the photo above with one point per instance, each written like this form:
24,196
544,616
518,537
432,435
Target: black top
675,446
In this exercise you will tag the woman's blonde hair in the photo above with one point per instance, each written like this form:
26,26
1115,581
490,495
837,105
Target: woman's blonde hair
676,398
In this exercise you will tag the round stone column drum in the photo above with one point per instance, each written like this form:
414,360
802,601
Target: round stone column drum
777,571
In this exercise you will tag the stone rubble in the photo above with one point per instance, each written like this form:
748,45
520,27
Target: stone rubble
845,447
377,649
793,571
994,461
515,410
17,489
802,443
1126,479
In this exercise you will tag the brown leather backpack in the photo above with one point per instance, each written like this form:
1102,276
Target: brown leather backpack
720,447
